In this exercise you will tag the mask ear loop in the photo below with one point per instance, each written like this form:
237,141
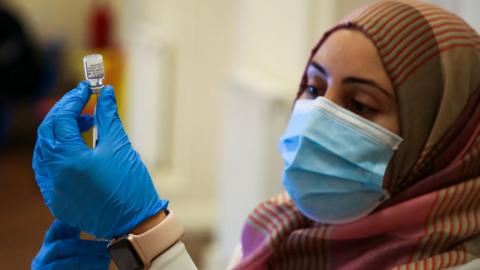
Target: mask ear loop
385,197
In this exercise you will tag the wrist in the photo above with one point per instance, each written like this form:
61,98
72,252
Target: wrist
138,249
149,223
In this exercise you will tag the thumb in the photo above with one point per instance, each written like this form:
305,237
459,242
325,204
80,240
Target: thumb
61,231
107,120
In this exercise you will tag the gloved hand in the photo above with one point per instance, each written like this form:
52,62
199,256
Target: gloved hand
63,249
105,191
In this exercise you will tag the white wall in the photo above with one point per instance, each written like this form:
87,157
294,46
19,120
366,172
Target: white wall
197,35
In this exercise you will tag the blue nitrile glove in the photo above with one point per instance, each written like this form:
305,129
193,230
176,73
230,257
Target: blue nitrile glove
63,249
105,191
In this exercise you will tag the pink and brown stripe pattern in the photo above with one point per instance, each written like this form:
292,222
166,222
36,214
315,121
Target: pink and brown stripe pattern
407,36
455,217
428,232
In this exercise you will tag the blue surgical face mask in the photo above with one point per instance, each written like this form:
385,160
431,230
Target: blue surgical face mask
335,161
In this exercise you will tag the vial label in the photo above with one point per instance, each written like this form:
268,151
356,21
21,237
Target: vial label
94,71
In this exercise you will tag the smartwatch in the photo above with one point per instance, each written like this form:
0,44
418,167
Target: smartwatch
132,252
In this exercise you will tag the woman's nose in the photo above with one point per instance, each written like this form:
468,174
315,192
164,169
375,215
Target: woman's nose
334,94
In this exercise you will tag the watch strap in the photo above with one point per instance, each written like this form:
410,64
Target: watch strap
158,239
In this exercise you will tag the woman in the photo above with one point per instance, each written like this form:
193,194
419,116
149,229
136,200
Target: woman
381,160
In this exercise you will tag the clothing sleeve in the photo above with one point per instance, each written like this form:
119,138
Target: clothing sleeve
236,257
176,257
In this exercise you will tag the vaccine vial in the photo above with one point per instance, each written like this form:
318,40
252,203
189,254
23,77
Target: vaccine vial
94,71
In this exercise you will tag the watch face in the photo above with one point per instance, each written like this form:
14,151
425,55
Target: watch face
124,255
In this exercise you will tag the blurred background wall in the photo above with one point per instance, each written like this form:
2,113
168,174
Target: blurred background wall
205,89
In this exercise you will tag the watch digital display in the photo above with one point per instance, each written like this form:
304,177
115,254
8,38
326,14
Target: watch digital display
124,255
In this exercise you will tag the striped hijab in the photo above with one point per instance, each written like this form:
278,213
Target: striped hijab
433,218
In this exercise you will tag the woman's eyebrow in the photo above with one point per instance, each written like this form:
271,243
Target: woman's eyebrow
357,80
352,79
319,68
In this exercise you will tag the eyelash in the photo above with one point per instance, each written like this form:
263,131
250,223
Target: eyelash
354,106
365,109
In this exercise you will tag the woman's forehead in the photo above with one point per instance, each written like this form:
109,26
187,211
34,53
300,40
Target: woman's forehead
346,44
348,52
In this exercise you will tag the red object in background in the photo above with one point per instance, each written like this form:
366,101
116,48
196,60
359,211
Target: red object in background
100,26
42,107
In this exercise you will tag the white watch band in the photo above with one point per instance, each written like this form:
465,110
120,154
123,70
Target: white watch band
158,239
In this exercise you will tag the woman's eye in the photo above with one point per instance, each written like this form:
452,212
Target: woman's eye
312,91
361,108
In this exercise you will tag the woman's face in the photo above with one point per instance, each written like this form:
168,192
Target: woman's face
348,71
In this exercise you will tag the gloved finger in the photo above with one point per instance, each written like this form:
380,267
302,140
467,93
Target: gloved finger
38,155
75,263
73,102
65,122
85,122
46,127
106,117
45,130
42,154
60,231
65,98
73,248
